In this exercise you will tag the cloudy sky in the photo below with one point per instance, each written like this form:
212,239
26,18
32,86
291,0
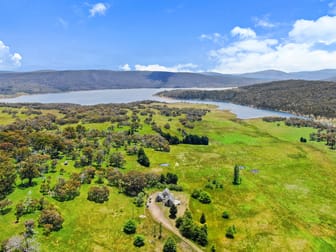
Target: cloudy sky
168,35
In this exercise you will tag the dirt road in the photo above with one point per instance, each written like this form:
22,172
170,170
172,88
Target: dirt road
158,216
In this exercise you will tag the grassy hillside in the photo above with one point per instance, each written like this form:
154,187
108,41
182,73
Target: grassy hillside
284,203
311,98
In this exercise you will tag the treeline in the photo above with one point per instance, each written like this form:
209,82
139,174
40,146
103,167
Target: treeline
325,132
310,98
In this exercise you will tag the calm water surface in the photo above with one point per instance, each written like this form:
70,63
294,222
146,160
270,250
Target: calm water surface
93,97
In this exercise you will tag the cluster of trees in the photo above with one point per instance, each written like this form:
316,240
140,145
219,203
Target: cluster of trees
325,132
191,230
134,182
22,242
310,98
33,148
66,190
202,196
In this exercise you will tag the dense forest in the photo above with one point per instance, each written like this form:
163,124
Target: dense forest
310,98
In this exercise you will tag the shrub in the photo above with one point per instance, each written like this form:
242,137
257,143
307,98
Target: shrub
139,241
170,245
172,212
130,227
202,219
204,197
230,232
225,215
98,194
195,194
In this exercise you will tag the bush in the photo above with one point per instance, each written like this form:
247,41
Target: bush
225,215
177,188
139,241
172,212
196,194
204,197
230,232
170,245
130,227
98,194
142,158
178,222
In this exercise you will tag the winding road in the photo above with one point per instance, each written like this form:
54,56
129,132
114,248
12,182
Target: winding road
158,216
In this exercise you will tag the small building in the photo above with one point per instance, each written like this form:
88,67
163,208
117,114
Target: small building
167,198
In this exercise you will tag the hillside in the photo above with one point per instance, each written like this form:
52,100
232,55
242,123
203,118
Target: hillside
317,98
62,81
71,178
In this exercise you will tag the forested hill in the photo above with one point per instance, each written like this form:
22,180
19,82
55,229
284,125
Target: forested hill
62,81
317,98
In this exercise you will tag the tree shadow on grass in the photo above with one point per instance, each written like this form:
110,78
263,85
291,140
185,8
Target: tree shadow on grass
5,211
23,186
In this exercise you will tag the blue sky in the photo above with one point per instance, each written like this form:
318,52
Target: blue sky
170,35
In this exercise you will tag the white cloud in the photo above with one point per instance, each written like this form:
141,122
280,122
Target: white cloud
263,22
323,30
177,68
214,37
8,60
98,9
243,33
297,52
125,67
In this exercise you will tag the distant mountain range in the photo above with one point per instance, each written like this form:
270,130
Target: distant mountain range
48,81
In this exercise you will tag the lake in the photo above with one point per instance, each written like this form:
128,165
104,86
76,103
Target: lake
93,97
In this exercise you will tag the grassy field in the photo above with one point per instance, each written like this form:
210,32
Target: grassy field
286,201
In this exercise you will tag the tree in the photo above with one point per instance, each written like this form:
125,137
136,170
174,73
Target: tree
7,177
130,227
201,236
172,211
236,176
230,232
98,194
133,183
204,197
170,245
142,158
29,228
51,220
139,241
4,204
29,170
117,160
202,219
139,200
66,190
171,178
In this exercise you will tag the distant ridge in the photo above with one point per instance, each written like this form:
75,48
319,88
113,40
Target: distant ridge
325,74
48,81
51,81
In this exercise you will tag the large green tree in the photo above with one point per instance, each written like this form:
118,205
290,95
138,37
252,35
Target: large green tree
170,245
7,177
29,170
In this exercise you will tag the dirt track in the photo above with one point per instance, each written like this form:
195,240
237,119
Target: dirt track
158,216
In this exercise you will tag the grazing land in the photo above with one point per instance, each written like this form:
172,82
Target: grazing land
310,98
284,201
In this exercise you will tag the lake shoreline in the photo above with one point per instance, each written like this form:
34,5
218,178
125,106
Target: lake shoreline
105,96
